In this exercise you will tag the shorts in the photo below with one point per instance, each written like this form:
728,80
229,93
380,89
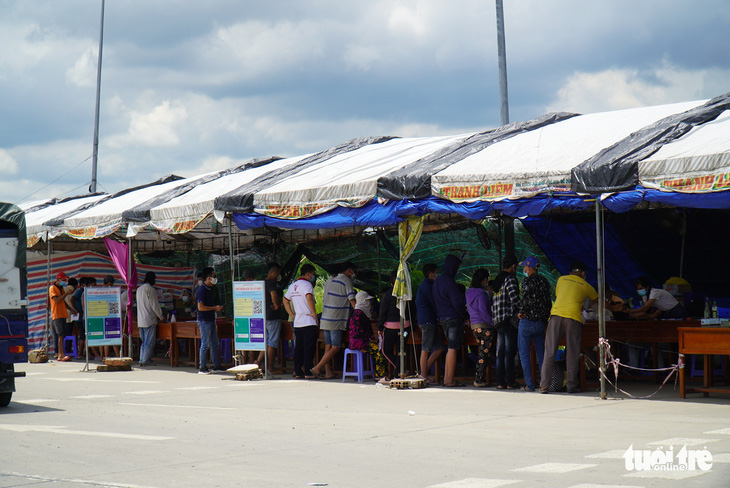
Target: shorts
454,330
273,332
428,336
333,338
59,327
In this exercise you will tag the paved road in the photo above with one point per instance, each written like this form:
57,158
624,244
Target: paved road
162,427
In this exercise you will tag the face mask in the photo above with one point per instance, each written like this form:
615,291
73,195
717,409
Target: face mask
313,279
525,273
213,281
279,278
642,293
62,283
185,298
200,282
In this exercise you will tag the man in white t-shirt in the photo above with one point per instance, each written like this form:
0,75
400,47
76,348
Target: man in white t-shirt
300,296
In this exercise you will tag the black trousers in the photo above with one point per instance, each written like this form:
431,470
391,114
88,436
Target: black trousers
305,343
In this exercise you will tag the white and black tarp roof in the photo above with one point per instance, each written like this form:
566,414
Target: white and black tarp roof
683,147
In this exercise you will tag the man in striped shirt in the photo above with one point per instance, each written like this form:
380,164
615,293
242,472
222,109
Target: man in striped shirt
337,301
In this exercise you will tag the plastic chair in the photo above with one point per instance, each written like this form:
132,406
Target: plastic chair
695,371
74,350
359,370
226,350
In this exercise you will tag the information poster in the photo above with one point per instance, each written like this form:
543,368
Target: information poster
103,315
249,316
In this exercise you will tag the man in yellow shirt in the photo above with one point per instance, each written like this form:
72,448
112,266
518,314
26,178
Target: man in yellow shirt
566,319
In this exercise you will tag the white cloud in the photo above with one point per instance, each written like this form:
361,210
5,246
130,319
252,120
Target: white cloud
617,89
8,165
83,72
157,127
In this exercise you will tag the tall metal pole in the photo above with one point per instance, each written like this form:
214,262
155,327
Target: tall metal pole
601,296
95,153
48,287
502,56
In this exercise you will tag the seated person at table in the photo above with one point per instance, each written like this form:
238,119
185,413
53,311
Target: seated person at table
360,331
657,303
616,305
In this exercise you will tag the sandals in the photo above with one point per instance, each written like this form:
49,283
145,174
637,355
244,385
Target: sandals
315,375
455,384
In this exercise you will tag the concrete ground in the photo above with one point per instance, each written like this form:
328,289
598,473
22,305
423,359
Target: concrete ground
170,427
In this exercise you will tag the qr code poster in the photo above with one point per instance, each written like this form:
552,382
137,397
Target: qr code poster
249,301
103,318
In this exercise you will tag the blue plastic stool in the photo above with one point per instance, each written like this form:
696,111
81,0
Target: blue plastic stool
358,363
74,350
695,371
226,350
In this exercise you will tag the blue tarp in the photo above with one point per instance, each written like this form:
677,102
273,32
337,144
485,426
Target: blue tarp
374,214
626,200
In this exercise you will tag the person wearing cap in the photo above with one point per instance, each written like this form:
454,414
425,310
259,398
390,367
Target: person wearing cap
534,312
566,320
360,331
57,297
148,313
504,315
338,299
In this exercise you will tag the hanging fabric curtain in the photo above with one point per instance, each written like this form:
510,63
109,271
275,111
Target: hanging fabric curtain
409,232
119,253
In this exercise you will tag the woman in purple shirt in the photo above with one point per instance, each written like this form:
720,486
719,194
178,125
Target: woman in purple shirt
479,305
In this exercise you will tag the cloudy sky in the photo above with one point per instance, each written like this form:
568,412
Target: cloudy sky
191,86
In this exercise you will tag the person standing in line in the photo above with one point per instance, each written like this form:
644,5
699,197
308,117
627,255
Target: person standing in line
504,314
207,308
273,314
566,320
148,313
431,346
451,309
534,312
73,313
300,295
479,305
57,296
338,300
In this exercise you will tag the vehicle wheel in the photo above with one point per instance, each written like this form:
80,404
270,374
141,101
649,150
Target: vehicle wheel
5,398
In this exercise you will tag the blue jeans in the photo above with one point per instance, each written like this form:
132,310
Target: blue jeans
147,334
209,339
506,352
530,330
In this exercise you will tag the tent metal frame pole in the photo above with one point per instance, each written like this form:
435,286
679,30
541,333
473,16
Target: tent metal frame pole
502,61
48,287
95,153
601,296
129,296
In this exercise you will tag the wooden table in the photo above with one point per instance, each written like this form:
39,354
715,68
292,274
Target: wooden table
173,331
706,341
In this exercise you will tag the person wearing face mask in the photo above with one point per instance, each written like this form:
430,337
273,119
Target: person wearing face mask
148,313
299,303
533,312
656,302
57,296
206,323
566,320
360,331
338,299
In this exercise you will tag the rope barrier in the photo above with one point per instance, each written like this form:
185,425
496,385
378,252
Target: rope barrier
615,363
